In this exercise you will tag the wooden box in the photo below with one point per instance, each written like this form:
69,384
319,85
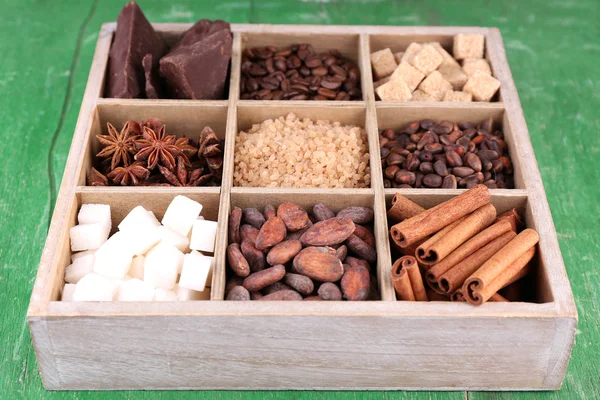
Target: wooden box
373,345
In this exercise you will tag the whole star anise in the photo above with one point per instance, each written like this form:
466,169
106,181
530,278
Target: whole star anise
183,177
119,146
96,178
130,175
157,148
187,149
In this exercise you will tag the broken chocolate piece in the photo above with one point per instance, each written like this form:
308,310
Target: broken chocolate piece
199,71
134,38
202,29
153,85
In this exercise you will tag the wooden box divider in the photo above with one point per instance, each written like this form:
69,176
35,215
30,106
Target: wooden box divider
295,345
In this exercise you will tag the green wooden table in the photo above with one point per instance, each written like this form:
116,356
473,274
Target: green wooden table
47,46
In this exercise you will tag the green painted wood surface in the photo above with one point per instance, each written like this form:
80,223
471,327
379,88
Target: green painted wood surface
47,46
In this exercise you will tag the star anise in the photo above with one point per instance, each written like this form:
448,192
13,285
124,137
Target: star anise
119,146
95,178
187,149
157,148
208,143
130,175
183,177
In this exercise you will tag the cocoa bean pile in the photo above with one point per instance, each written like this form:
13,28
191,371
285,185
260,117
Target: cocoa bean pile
447,155
298,72
287,254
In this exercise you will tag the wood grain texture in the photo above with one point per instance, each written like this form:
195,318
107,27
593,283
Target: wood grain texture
553,54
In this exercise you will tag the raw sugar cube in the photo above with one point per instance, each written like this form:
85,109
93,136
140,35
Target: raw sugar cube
138,219
447,59
383,63
482,86
79,268
398,57
185,294
380,82
468,45
88,236
452,95
427,60
411,51
195,271
169,236
165,295
95,214
454,75
136,270
67,292
394,90
113,259
75,256
204,234
435,85
94,287
419,95
135,290
181,214
161,266
410,75
472,65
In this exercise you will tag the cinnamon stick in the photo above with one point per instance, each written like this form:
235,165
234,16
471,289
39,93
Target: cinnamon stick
472,245
416,228
498,298
458,296
407,279
440,246
513,217
433,296
503,266
402,208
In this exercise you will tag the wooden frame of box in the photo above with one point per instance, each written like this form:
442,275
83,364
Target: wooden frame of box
372,345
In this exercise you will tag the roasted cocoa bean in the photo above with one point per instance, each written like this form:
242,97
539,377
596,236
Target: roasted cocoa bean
269,211
238,264
253,217
356,284
235,219
276,287
358,214
440,168
329,291
449,182
284,252
322,212
300,283
405,177
360,248
329,232
293,216
248,232
323,267
255,257
272,232
341,252
462,172
238,293
261,279
233,282
432,181
283,295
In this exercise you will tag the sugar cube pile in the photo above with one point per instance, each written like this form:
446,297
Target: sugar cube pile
427,72
146,259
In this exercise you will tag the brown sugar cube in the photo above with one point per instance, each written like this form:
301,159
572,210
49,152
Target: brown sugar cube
380,82
435,85
427,60
394,90
398,56
408,74
468,45
482,86
383,63
447,59
472,65
411,51
454,75
457,96
419,95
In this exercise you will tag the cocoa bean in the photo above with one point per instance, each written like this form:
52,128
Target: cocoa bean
322,212
358,214
323,267
356,284
248,232
293,216
462,172
255,257
255,296
233,282
432,181
238,293
357,262
329,291
277,286
360,248
449,182
270,211
235,219
283,295
236,260
253,217
365,234
312,298
284,252
341,252
261,279
329,232
302,284
272,232
440,168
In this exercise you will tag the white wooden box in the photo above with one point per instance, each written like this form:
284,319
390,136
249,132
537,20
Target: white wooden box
372,345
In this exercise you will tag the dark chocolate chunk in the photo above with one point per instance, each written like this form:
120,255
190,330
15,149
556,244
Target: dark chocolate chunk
134,38
201,30
153,86
199,71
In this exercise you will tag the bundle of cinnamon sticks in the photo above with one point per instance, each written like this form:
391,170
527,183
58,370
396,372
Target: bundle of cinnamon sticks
460,248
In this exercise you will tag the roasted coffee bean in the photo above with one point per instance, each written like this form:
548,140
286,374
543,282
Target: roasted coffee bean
432,181
440,168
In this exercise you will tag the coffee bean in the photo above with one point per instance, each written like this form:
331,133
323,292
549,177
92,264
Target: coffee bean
330,84
330,94
319,71
432,181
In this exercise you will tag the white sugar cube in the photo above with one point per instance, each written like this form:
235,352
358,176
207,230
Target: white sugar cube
170,236
75,256
203,235
67,292
94,287
114,258
194,273
200,217
185,294
135,290
80,268
88,236
137,219
165,295
155,220
141,240
181,214
95,214
161,266
136,270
